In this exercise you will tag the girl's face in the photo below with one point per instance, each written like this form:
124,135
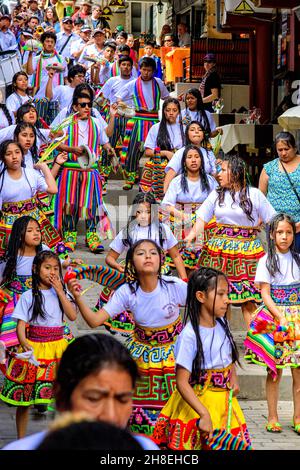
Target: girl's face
26,139
31,116
130,42
33,236
13,157
224,176
22,83
284,236
49,14
195,134
171,113
284,152
193,161
143,214
146,258
105,395
49,271
215,300
191,102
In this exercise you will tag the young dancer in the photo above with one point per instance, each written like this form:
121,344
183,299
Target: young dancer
149,52
19,95
273,338
162,141
184,196
142,224
194,134
235,247
154,302
30,381
18,194
205,370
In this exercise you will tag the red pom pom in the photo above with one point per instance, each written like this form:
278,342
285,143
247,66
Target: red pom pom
69,275
261,326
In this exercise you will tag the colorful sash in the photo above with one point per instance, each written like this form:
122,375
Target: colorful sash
115,69
139,98
38,74
73,137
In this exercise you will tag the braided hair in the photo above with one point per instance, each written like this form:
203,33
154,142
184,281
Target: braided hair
6,113
144,198
38,307
163,140
239,183
16,247
204,279
272,263
85,356
204,184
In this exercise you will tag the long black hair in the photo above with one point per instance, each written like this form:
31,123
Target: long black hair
272,263
85,356
238,179
24,109
144,198
27,125
14,80
3,149
204,184
38,307
205,140
200,109
6,113
163,140
16,247
204,279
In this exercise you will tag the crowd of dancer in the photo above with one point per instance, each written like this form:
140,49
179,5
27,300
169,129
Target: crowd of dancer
193,240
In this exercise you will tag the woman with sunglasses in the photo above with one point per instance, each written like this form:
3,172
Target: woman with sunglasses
80,190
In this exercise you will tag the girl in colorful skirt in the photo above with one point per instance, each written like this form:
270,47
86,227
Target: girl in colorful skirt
25,242
143,223
184,196
154,302
273,339
206,378
29,378
163,139
235,247
18,194
195,135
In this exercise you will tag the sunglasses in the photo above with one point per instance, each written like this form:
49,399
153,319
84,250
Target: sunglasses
85,105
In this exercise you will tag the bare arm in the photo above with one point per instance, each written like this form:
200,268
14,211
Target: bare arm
49,86
111,260
29,65
213,96
263,182
179,265
168,178
197,228
188,394
50,180
21,334
93,319
69,308
269,303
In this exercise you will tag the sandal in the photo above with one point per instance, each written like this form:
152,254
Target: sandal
274,427
296,428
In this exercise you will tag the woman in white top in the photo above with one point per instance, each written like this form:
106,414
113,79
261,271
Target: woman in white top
154,301
273,338
19,95
194,111
162,141
184,196
195,135
235,247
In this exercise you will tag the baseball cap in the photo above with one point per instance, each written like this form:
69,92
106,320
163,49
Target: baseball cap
78,20
119,28
67,18
210,58
85,29
96,31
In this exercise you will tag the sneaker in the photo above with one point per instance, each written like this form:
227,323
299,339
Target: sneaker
94,242
70,240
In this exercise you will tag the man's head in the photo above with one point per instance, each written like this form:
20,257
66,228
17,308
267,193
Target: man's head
99,37
125,64
76,75
96,12
5,21
123,49
48,40
149,48
33,5
169,40
85,33
67,24
33,23
86,7
181,29
147,68
109,50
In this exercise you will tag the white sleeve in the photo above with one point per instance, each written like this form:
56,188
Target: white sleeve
180,289
207,210
57,93
22,310
7,133
185,350
211,159
117,244
211,121
170,197
151,139
262,273
101,121
175,162
119,301
105,90
12,103
265,210
40,181
171,240
164,92
103,136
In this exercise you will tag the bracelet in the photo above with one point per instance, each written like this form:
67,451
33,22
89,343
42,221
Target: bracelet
58,163
185,279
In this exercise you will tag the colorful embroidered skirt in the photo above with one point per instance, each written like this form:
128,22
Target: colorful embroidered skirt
13,210
190,255
153,351
265,344
26,384
235,251
153,176
136,132
80,193
176,426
